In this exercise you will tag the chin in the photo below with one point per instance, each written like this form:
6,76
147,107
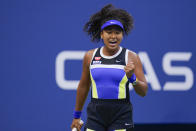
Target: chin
113,47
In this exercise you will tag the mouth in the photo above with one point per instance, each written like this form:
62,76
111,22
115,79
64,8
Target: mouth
113,42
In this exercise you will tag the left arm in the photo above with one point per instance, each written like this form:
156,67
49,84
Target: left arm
141,86
135,66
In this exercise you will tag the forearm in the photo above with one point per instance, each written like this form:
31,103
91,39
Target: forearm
141,88
82,93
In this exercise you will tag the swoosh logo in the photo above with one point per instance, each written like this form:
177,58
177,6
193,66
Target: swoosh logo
127,124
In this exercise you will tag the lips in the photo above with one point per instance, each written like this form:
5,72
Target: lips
113,42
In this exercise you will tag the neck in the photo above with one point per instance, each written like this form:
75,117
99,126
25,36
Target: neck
109,52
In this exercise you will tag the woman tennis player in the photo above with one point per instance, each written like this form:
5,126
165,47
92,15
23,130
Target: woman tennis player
108,70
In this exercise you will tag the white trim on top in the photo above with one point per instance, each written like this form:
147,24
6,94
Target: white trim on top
126,56
110,57
107,66
93,56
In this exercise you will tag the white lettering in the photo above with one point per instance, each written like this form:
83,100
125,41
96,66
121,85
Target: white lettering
60,68
150,76
178,70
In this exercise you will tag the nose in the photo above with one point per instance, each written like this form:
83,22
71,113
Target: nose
113,35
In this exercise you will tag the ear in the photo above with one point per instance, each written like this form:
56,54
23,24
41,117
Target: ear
122,36
101,34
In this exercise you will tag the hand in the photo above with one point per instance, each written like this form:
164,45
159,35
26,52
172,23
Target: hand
129,69
77,124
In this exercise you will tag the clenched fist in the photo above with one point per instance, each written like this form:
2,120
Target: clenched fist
77,124
129,69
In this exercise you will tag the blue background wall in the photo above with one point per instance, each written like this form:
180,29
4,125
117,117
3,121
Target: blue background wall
34,32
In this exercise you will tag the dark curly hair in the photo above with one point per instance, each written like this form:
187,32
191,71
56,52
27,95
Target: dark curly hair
108,12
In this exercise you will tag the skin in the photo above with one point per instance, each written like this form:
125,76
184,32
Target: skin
112,37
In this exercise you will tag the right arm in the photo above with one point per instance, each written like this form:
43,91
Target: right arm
83,87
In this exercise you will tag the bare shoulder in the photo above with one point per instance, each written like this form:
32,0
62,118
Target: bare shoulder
132,53
132,56
89,53
88,56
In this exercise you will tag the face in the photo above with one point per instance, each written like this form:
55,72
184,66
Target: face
112,37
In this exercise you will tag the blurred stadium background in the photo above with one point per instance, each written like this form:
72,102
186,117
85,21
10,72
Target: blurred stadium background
41,50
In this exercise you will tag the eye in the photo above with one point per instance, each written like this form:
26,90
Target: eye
118,32
109,32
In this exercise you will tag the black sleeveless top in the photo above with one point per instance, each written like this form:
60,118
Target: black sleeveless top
108,77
